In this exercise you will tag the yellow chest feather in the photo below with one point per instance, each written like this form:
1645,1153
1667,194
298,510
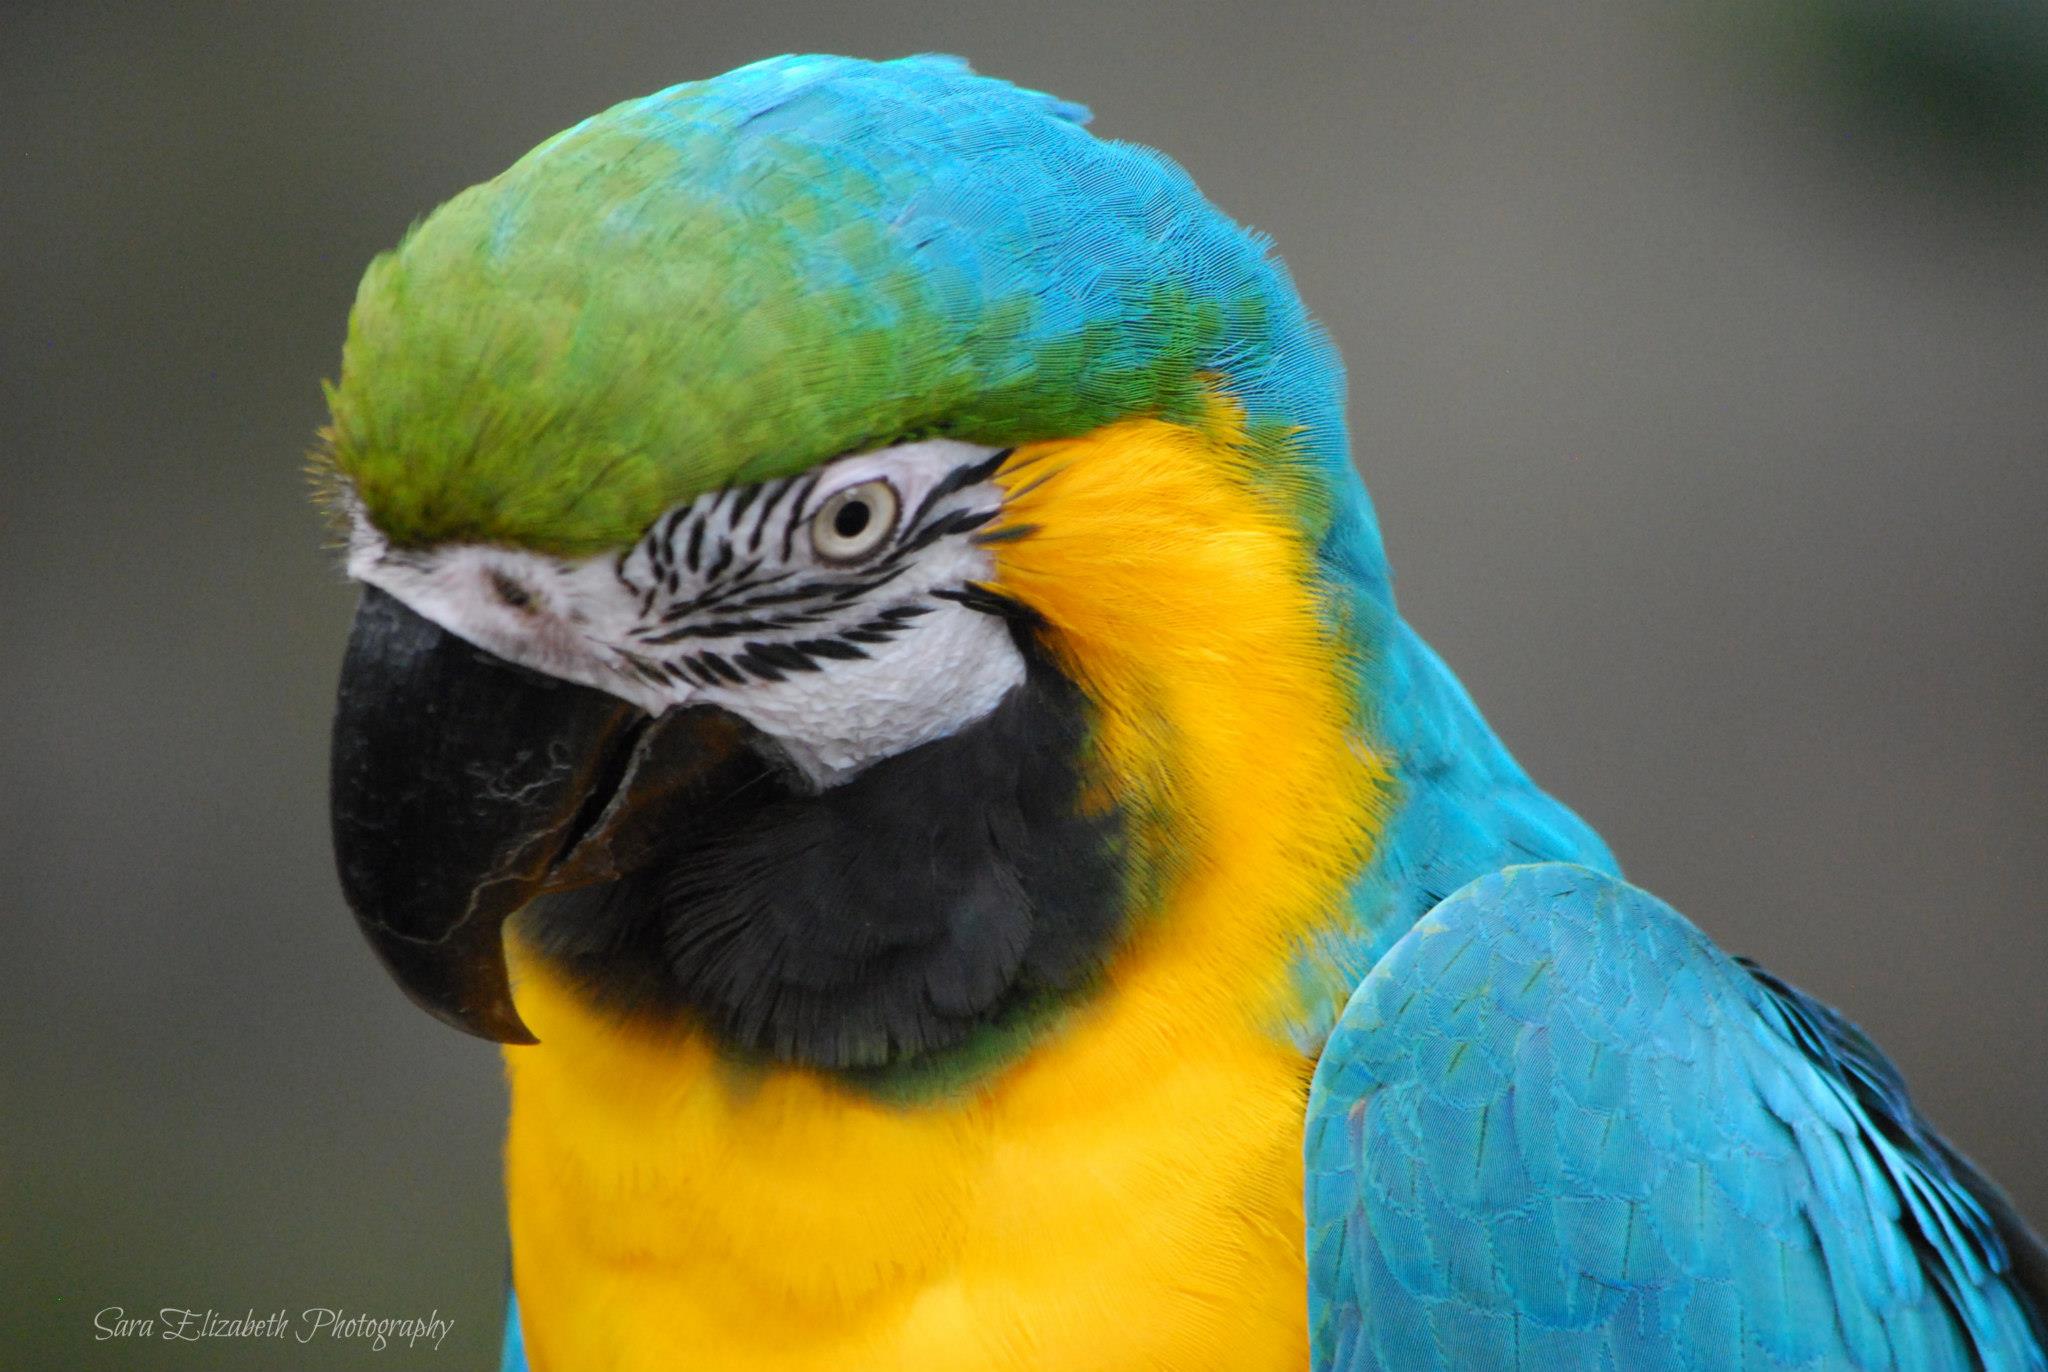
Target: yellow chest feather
1099,1208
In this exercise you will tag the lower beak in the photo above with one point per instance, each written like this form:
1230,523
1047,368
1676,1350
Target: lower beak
459,781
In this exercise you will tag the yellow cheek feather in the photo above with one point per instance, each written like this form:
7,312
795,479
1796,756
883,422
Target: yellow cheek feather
1126,1194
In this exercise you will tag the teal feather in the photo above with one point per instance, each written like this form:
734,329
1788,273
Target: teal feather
1554,1108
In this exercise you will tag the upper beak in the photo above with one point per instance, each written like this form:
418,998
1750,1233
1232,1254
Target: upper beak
459,782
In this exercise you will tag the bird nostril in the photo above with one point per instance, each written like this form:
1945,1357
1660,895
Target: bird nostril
511,592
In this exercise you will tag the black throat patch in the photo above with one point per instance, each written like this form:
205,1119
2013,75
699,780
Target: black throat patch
951,889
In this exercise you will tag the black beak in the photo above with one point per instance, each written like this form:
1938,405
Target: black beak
459,782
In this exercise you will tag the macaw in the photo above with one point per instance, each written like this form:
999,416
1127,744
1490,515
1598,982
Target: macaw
877,680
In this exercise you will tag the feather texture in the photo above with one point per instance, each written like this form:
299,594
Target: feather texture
737,279
1556,1128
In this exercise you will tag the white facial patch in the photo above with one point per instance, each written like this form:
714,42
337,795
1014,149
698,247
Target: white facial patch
834,611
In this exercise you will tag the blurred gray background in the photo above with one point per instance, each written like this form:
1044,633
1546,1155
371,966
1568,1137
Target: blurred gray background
1699,367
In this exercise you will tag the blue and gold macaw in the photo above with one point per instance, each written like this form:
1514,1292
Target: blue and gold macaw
877,679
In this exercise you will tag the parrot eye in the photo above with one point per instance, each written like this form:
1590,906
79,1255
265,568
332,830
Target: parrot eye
854,522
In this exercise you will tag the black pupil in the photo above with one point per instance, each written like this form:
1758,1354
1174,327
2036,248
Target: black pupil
851,518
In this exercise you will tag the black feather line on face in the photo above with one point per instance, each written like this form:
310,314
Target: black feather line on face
720,562
721,667
959,479
743,496
777,490
989,601
796,515
736,600
876,923
1008,534
718,595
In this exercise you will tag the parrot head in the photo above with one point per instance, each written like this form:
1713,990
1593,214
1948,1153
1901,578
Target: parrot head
848,557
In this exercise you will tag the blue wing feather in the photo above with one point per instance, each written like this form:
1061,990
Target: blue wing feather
1557,1128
